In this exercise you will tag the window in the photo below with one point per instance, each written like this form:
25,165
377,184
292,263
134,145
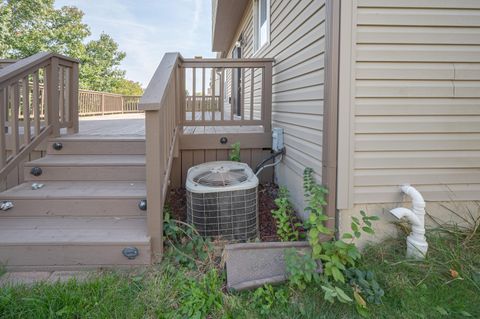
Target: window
262,23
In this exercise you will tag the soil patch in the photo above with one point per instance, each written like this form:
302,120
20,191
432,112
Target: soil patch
267,193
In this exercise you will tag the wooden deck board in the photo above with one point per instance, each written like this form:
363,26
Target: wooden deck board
132,126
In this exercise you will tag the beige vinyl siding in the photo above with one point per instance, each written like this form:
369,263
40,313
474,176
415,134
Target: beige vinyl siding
297,30
417,99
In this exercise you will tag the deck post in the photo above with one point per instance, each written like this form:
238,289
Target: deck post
154,150
53,97
73,99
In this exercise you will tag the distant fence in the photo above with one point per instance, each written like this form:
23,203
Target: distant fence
92,102
102,103
209,103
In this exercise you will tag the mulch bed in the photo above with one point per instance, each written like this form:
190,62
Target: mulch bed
266,196
177,201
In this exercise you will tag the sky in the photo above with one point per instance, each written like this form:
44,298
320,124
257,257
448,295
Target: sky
147,29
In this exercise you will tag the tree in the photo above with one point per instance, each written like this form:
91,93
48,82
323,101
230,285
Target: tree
31,26
100,60
127,87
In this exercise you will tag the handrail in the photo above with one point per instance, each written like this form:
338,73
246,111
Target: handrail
161,129
6,62
23,103
155,93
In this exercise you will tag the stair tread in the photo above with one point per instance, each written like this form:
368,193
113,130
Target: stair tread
73,230
77,189
80,137
88,160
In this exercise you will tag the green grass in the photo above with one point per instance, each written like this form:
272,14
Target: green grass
412,290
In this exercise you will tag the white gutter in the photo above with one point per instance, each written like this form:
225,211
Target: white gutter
417,245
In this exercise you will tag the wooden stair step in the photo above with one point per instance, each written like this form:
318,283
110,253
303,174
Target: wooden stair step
72,242
76,198
89,160
98,145
88,167
78,189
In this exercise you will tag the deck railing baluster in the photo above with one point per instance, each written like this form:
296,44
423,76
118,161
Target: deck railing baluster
36,103
26,109
3,110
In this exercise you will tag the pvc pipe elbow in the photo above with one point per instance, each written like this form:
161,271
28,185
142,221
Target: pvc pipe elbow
401,212
417,199
417,245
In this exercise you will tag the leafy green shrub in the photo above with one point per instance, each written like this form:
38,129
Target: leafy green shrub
301,268
189,248
267,297
335,255
287,227
365,286
201,298
235,152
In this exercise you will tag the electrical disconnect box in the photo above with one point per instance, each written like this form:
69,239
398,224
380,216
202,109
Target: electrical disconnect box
277,139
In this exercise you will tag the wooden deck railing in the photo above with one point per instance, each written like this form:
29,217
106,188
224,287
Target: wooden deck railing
240,90
168,109
102,103
22,103
209,103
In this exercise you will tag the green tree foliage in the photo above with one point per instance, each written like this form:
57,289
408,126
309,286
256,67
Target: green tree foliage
100,62
30,26
127,87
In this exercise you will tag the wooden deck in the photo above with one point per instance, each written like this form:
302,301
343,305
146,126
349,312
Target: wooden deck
123,125
113,125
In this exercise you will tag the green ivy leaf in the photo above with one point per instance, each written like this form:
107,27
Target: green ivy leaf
337,275
368,230
354,227
347,236
342,296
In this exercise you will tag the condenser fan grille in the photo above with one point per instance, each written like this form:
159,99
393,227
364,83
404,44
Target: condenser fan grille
221,177
228,215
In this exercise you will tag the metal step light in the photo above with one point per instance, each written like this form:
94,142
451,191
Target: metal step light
142,204
130,252
57,146
36,171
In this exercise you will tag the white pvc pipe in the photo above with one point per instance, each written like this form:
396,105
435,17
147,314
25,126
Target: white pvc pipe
417,245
